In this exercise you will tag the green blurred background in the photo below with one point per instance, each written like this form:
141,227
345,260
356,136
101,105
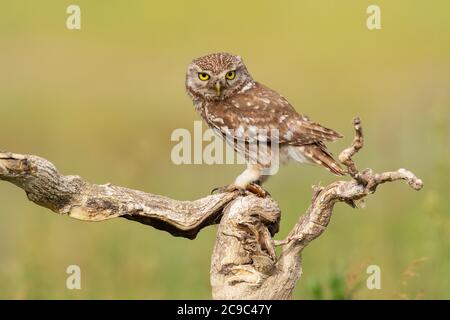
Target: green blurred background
102,102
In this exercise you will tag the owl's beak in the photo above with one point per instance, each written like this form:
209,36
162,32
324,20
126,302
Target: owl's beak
217,87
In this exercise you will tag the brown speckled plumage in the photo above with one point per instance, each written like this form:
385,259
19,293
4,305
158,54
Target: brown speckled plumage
244,105
215,62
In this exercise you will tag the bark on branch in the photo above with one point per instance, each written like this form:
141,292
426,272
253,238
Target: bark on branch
244,264
82,200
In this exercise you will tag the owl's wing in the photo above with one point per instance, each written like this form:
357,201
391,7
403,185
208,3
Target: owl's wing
260,110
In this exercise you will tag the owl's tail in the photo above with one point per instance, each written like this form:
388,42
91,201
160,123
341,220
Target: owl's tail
316,153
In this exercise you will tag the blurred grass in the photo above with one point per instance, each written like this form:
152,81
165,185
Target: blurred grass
101,102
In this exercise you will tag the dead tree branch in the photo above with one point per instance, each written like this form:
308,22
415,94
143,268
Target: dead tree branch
82,200
244,264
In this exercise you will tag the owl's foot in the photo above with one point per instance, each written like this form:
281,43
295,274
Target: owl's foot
228,188
252,188
255,188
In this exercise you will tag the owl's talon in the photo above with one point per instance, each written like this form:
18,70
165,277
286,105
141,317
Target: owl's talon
215,190
257,190
351,203
250,188
228,188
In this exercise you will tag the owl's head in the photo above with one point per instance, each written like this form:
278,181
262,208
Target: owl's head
216,76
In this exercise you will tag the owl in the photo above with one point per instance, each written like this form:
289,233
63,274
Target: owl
239,109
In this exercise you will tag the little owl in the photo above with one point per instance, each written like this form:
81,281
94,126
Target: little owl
239,109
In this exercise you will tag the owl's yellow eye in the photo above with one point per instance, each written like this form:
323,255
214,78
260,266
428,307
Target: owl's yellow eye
203,76
230,75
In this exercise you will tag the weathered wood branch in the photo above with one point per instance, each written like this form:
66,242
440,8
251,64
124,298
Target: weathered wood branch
244,264
82,200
